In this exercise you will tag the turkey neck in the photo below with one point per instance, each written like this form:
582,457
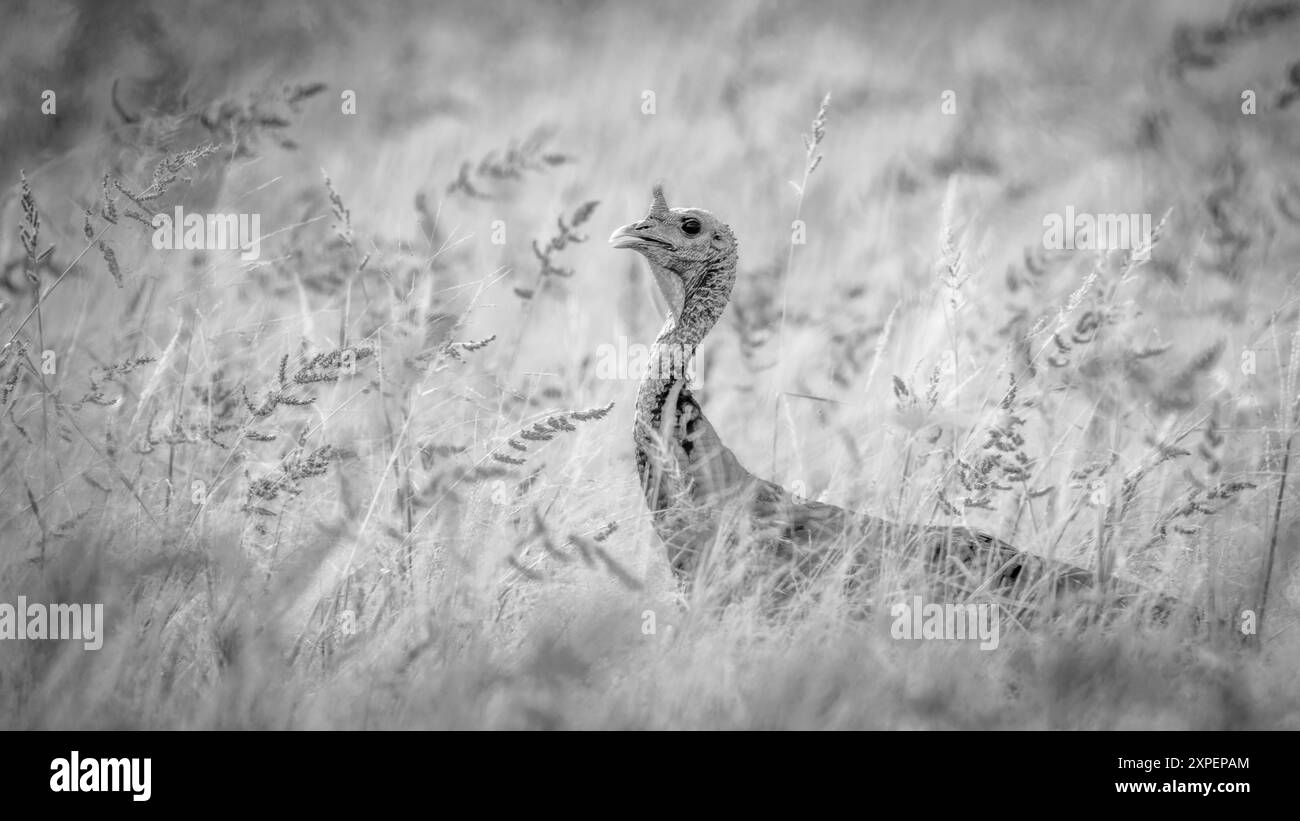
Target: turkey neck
704,297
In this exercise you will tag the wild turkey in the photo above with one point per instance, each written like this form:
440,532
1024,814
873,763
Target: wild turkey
717,519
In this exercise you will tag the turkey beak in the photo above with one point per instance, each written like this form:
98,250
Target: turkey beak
637,235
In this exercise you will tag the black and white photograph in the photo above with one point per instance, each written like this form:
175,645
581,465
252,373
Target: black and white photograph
582,365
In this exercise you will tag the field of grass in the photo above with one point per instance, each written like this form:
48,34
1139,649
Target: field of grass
381,476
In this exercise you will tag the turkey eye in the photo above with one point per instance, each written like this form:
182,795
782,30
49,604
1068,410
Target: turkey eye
691,227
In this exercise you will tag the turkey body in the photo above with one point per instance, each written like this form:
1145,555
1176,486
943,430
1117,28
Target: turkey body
723,527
